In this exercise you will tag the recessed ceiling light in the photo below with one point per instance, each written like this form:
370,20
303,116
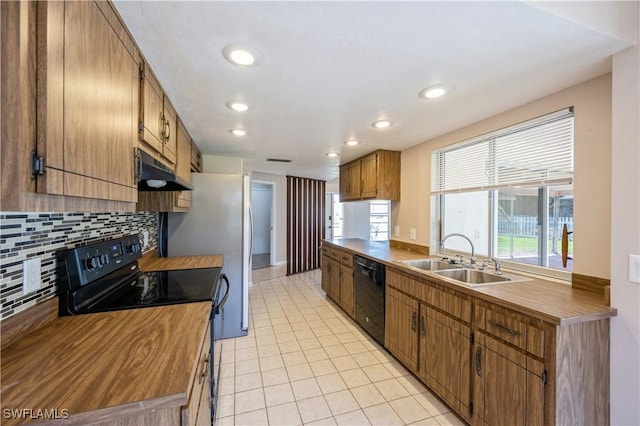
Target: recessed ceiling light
332,154
238,132
239,55
238,106
381,124
352,142
433,92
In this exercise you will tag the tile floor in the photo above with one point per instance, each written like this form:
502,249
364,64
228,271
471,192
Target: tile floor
305,362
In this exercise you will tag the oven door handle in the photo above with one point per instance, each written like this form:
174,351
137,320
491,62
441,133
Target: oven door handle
216,308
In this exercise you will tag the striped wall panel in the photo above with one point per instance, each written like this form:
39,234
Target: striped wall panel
305,223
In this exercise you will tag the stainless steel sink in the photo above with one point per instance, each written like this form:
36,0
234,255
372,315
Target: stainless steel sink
475,278
429,264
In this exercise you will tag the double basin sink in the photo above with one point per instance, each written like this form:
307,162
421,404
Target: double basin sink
460,275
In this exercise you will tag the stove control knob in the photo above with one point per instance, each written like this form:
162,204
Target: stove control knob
105,259
95,262
88,264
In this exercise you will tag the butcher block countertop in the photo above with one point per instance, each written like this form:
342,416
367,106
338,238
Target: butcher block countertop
150,262
550,301
97,365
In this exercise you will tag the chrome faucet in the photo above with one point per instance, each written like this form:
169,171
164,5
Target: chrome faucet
497,266
473,250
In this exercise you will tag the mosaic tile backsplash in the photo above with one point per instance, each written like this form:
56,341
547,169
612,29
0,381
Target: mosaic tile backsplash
27,235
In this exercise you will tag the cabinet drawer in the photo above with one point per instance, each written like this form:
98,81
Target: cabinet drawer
512,328
406,284
450,303
346,259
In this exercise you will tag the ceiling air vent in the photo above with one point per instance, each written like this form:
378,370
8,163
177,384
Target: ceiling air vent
278,160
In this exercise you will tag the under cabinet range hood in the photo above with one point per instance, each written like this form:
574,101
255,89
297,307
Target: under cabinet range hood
155,176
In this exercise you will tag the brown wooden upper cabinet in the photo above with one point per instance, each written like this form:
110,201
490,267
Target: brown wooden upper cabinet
196,159
86,73
375,176
158,118
173,201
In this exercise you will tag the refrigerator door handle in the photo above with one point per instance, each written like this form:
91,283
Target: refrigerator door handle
220,304
250,234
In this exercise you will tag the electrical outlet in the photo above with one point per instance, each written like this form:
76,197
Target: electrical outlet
145,239
31,275
396,231
412,233
634,268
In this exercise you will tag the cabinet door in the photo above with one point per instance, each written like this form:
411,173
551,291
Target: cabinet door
326,273
198,408
170,132
151,111
369,176
87,105
355,181
344,183
334,280
347,301
446,361
401,327
183,165
505,391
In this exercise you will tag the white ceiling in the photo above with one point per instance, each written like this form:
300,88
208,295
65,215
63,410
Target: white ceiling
327,70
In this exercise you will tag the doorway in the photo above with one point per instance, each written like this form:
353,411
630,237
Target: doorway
262,204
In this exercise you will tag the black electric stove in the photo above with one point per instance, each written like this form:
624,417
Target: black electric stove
105,277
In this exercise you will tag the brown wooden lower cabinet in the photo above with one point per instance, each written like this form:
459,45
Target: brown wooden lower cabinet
445,358
493,365
337,279
401,327
508,385
198,410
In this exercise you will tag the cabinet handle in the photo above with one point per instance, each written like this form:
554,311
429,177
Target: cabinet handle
168,131
414,321
205,369
422,326
504,328
162,127
478,361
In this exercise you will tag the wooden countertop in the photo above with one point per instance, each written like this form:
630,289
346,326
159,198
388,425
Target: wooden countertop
150,262
549,301
105,361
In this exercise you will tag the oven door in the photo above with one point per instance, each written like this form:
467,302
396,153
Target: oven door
221,293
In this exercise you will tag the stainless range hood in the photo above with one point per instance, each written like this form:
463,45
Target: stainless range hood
155,176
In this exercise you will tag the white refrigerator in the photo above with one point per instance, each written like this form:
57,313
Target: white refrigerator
219,222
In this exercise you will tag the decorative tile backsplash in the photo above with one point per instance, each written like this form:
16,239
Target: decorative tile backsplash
27,235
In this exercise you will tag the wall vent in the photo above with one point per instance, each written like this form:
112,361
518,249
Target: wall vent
278,160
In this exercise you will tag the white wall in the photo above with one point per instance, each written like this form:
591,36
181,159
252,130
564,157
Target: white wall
625,237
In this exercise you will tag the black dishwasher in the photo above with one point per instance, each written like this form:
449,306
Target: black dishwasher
369,295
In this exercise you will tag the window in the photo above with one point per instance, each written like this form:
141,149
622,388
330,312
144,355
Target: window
379,220
510,192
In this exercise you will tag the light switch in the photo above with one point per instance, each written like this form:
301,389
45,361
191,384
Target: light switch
396,231
634,268
412,233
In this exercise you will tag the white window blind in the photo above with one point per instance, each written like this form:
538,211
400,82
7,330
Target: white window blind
537,152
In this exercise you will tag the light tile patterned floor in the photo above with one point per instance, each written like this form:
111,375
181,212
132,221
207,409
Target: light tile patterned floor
305,362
